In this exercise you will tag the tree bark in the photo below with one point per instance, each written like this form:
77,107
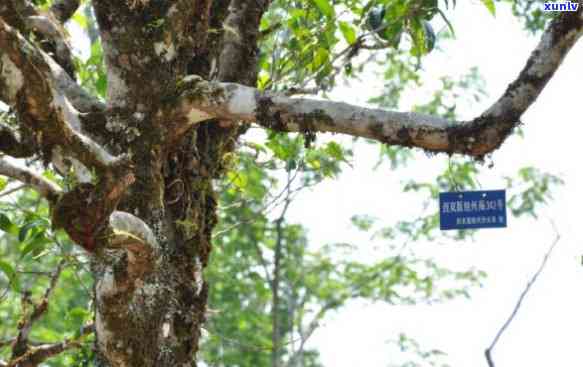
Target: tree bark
155,320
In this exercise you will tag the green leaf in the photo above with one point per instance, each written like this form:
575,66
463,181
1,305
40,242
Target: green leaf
335,151
417,33
10,273
325,7
239,179
321,57
7,226
490,5
78,315
25,230
101,85
348,32
36,245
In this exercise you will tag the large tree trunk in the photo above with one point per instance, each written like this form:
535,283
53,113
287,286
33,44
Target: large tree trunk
155,319
143,205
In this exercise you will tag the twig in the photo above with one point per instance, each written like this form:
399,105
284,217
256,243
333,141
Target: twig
488,352
20,344
275,283
38,354
73,260
250,347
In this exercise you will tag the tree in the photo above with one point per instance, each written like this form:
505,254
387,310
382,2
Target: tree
135,171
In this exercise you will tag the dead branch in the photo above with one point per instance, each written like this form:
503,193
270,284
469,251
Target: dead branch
488,352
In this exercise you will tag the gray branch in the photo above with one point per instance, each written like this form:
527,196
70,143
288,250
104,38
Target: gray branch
203,100
47,189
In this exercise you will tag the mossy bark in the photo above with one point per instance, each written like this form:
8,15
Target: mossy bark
156,319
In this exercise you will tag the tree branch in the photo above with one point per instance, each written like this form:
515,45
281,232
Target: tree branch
131,234
275,320
125,230
41,352
16,19
20,344
28,75
238,57
311,328
81,100
47,189
26,81
202,100
11,143
48,30
488,351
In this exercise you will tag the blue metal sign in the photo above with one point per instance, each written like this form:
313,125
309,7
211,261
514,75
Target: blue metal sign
472,209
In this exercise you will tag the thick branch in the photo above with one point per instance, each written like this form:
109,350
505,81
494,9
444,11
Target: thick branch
125,230
84,211
131,234
30,77
238,58
18,20
48,30
28,74
26,85
11,143
46,188
203,100
79,97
